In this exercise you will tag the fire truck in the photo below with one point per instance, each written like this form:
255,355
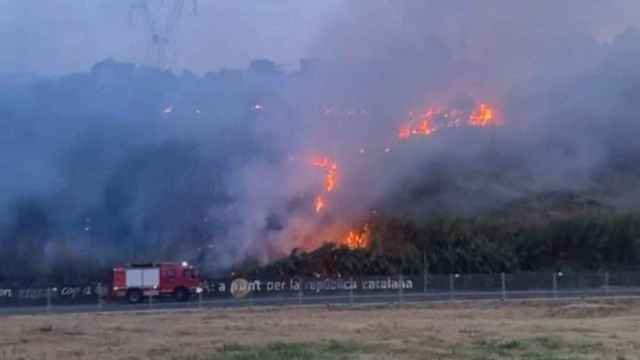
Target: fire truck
137,281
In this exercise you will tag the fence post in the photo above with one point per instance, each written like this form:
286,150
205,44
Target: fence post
426,281
555,284
503,280
451,286
606,283
300,291
351,300
200,299
150,302
400,289
48,299
425,271
99,291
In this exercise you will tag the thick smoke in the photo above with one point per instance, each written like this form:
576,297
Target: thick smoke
127,162
543,64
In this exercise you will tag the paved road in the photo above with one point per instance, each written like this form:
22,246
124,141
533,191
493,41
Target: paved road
345,298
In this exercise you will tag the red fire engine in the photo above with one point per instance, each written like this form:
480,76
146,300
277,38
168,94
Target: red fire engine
135,281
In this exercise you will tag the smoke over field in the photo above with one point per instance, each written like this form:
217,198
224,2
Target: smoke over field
415,109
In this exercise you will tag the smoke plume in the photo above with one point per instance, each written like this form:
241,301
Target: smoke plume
128,162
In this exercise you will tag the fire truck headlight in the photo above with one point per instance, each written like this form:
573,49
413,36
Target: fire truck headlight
199,290
115,288
185,264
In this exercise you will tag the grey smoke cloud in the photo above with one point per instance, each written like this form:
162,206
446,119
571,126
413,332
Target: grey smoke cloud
173,164
542,63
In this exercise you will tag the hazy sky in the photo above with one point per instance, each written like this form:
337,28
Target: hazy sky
57,36
54,36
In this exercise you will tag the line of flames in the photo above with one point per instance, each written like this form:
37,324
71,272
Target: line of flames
434,120
426,124
330,179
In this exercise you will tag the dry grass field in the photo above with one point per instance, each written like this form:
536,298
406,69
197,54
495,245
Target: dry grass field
525,330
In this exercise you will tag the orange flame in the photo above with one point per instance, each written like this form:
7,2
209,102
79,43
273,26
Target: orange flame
433,120
404,133
319,203
320,161
427,127
483,116
358,240
330,179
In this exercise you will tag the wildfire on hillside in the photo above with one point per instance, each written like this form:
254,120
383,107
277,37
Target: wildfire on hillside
426,123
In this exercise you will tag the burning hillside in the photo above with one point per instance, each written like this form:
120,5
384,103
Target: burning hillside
434,119
409,114
427,123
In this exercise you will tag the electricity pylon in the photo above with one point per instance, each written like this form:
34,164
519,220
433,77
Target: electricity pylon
161,20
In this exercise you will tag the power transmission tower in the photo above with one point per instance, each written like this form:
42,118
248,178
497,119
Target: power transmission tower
161,19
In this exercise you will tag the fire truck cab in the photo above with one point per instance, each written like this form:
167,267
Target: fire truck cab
136,281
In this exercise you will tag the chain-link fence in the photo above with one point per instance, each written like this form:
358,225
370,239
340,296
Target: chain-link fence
336,290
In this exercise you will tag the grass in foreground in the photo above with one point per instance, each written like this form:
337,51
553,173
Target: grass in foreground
330,350
538,348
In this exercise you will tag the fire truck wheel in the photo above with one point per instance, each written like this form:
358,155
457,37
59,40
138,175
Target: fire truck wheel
182,294
134,296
